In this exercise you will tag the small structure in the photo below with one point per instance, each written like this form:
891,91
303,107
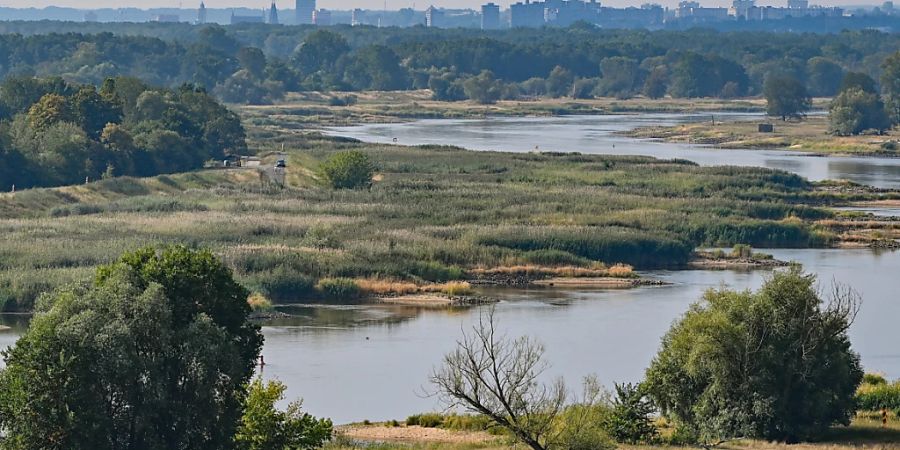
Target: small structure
766,128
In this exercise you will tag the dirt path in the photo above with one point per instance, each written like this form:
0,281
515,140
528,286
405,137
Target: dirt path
409,434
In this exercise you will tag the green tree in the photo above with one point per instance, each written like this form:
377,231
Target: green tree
92,112
858,80
484,88
264,427
348,170
630,420
50,109
775,364
154,354
559,82
621,77
823,76
319,51
657,82
253,60
854,111
890,85
786,97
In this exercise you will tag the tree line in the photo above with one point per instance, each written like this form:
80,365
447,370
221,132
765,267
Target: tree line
54,132
257,64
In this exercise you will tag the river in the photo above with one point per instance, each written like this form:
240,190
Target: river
353,363
598,134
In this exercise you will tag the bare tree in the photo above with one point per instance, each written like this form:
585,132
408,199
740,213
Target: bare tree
494,375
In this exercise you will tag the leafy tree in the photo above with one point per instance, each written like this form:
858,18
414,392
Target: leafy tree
657,83
854,111
824,76
252,60
446,87
559,82
786,97
264,427
348,170
376,67
584,88
630,421
621,77
92,112
154,354
50,109
484,88
890,85
775,364
859,81
319,51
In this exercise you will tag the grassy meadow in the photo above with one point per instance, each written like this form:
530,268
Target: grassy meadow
433,215
809,135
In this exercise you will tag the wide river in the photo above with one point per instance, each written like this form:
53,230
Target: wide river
352,363
597,134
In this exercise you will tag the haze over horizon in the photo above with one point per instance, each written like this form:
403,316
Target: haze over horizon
366,4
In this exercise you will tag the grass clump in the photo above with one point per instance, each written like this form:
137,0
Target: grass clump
425,420
876,393
341,289
259,302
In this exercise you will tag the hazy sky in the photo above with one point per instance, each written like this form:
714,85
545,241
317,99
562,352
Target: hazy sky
349,4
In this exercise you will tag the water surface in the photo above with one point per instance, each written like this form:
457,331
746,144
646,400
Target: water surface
597,135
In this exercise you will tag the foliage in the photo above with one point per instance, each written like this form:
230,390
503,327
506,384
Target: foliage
153,354
875,396
824,76
264,427
348,170
76,132
427,420
630,420
338,288
854,111
786,97
559,82
775,364
890,85
484,89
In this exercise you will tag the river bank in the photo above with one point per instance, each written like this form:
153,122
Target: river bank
808,136
314,110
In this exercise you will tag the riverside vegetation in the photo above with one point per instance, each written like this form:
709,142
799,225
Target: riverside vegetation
434,214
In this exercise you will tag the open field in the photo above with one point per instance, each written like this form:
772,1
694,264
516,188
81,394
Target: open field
437,214
810,135
863,433
312,109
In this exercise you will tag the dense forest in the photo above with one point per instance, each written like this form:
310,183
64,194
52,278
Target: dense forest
53,132
258,63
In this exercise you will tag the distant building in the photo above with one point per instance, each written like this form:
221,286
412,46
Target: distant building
692,10
528,14
321,17
167,18
305,10
90,16
490,16
235,19
433,17
201,14
647,15
743,9
357,17
273,14
798,4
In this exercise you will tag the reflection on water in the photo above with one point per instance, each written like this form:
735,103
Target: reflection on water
372,362
596,134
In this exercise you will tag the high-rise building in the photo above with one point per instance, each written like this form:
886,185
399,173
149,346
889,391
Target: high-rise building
798,4
201,14
273,14
321,17
356,17
433,17
528,14
305,10
490,16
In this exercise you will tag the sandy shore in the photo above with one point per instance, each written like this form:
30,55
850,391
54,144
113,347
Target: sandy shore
4,328
432,300
737,263
381,433
588,282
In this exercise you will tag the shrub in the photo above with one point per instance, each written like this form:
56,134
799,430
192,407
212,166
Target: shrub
874,379
282,284
455,288
348,170
741,251
426,420
259,302
874,396
338,289
630,419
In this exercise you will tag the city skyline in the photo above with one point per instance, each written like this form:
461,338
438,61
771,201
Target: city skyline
365,4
